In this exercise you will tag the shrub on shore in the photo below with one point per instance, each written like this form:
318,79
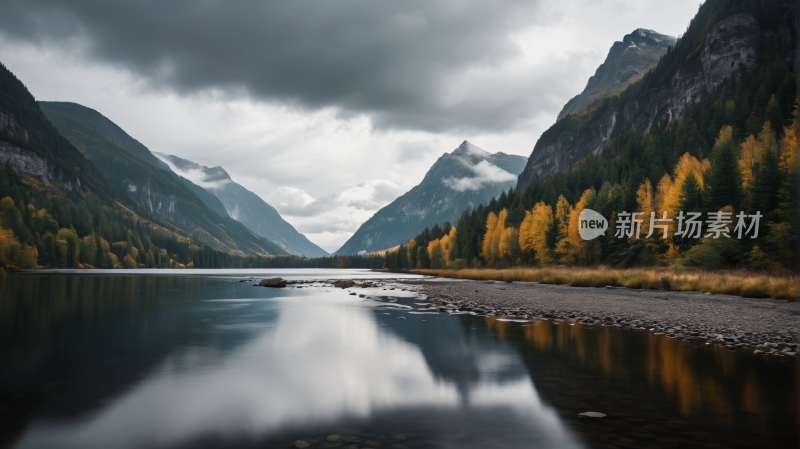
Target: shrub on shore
735,283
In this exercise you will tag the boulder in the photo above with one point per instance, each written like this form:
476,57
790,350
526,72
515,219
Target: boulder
344,283
273,282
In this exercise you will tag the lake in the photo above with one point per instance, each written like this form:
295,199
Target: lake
192,358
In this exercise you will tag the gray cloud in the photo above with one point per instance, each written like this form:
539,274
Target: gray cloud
412,151
313,208
381,195
417,64
485,172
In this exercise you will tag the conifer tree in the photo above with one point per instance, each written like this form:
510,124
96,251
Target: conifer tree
726,179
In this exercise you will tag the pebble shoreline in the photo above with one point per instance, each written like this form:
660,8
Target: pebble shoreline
767,326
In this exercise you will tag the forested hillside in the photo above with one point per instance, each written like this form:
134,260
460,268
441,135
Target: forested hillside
150,184
57,209
734,151
721,43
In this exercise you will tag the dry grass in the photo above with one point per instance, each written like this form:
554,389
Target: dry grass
736,283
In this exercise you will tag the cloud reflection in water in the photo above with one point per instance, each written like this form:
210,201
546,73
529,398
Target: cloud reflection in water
321,361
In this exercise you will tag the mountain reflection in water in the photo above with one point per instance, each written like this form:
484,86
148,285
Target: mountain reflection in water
156,361
246,368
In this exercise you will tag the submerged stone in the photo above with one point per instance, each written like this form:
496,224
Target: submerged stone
593,415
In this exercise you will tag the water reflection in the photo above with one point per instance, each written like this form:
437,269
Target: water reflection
128,361
679,390
247,368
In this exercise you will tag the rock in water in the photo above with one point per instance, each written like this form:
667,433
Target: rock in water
593,415
335,438
300,444
273,282
344,283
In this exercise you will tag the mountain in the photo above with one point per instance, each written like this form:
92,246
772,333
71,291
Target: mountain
626,61
720,45
463,179
58,209
248,208
150,184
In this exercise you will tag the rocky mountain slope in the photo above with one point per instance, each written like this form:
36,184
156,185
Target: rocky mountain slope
149,183
626,61
465,178
247,207
720,43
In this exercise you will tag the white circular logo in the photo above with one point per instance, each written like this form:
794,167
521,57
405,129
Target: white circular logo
591,224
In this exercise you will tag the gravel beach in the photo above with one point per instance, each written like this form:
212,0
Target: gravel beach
766,325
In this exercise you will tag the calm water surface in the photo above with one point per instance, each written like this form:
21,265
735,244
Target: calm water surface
187,359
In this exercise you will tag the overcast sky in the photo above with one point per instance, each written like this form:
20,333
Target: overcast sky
328,110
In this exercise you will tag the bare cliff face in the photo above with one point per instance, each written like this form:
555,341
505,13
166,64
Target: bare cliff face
28,162
637,53
730,44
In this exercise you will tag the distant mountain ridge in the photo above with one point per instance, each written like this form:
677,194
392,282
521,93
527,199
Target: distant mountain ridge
465,178
149,183
248,208
625,62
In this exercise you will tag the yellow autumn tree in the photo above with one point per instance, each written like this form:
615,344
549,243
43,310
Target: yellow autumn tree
644,204
495,225
509,248
563,210
9,246
448,245
497,235
752,151
662,193
573,249
436,254
767,137
533,232
671,199
128,262
113,260
486,245
412,250
725,135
